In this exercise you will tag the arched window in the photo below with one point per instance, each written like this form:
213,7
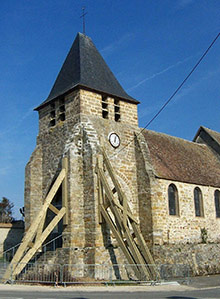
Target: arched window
198,202
173,200
217,203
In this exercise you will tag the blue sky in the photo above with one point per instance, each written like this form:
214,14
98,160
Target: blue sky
149,45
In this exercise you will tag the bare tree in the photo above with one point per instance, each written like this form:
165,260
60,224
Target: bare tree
6,210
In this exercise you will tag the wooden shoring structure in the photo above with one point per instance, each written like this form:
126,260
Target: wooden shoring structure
113,209
38,231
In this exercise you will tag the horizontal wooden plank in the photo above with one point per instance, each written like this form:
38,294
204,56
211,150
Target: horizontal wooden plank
53,209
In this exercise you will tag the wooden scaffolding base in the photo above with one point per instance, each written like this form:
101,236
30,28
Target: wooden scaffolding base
115,211
37,233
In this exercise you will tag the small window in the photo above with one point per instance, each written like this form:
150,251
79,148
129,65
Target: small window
217,203
198,202
173,200
52,115
52,122
62,110
52,106
62,116
105,107
117,110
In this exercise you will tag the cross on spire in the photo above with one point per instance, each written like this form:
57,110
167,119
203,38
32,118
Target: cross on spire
83,17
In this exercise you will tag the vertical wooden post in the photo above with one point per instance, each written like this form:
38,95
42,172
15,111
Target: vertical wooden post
100,189
125,211
65,190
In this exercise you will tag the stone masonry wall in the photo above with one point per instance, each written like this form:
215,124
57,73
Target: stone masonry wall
33,186
100,246
91,105
176,239
78,138
72,109
45,162
124,165
145,177
185,228
10,235
201,259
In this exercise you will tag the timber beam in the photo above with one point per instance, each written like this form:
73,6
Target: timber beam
38,231
115,210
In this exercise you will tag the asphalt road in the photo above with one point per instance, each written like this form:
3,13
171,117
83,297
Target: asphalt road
199,287
70,294
169,292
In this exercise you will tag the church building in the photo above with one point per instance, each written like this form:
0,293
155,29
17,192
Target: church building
171,185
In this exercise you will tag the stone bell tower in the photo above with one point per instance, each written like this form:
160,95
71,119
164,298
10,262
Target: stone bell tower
86,108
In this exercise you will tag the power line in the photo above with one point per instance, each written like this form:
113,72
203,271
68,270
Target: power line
183,82
174,93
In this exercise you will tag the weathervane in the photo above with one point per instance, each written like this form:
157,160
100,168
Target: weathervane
83,16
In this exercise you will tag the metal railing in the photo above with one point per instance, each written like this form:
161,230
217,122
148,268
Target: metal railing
50,247
7,255
97,273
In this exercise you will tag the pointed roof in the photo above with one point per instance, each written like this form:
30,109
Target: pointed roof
85,67
210,138
214,134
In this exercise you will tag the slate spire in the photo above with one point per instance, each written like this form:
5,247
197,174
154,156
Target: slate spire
85,67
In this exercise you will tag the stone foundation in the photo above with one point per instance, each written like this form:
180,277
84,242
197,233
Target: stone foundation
203,259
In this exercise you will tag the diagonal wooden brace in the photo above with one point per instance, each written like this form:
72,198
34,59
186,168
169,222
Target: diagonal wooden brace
35,230
123,224
30,253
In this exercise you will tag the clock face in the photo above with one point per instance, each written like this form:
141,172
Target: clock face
114,140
